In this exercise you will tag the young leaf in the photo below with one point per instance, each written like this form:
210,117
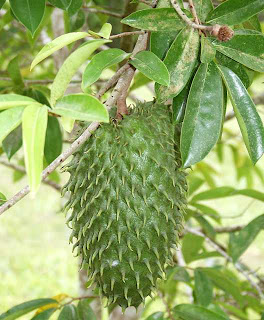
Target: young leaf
82,107
233,12
14,100
208,51
99,62
44,315
180,62
57,44
25,308
247,116
67,123
163,19
203,117
203,7
28,12
152,67
105,31
13,142
9,120
53,141
240,241
203,288
84,310
69,312
70,66
246,47
34,125
2,201
193,312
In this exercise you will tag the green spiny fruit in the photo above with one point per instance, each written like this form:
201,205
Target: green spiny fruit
127,195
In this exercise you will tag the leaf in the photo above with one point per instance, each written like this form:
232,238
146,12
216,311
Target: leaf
83,107
156,316
85,311
215,308
235,311
179,274
45,315
208,51
9,120
57,44
179,105
2,201
24,308
243,49
14,72
76,21
253,23
69,312
191,246
193,312
206,226
105,31
14,100
2,2
212,213
247,116
160,42
67,123
74,7
203,116
140,80
240,241
194,184
203,288
62,4
152,67
233,12
163,19
203,7
34,125
13,142
180,62
53,141
70,66
99,62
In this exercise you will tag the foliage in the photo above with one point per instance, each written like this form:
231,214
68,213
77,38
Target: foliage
194,70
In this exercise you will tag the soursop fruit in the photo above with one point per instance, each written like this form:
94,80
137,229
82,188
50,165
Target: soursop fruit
127,195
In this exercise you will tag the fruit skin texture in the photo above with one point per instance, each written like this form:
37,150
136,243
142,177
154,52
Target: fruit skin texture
127,193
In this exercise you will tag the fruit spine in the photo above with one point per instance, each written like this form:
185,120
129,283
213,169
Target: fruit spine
127,195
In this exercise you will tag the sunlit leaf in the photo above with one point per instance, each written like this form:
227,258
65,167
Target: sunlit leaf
9,120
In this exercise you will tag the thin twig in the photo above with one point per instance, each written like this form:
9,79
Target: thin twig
109,13
193,11
79,298
16,167
126,34
228,258
228,229
168,309
48,81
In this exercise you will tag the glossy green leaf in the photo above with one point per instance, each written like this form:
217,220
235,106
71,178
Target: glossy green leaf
28,12
82,107
70,66
240,241
9,120
208,51
105,31
69,312
2,2
180,62
99,62
13,142
44,315
14,100
156,316
25,308
191,246
203,288
163,19
236,67
203,7
152,67
193,312
57,44
179,105
14,72
53,141
246,47
2,201
62,4
233,12
160,42
34,125
247,116
203,117
74,7
85,311
67,123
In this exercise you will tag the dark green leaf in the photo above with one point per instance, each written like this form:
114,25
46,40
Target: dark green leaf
99,62
180,61
44,315
62,4
233,12
179,105
85,311
53,142
163,19
203,7
203,117
13,142
74,7
29,12
152,67
208,51
215,308
246,47
191,246
69,312
24,308
206,226
179,274
2,201
247,116
77,21
240,241
2,2
253,24
160,42
14,72
212,213
193,312
203,288
156,316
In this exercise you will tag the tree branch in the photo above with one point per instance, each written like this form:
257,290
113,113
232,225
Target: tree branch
228,229
193,11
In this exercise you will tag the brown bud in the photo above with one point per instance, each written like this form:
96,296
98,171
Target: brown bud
225,34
